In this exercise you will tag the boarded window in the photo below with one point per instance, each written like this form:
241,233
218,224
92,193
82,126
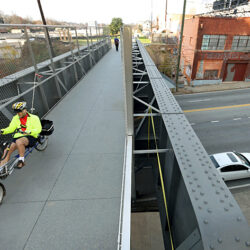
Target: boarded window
211,74
213,42
241,43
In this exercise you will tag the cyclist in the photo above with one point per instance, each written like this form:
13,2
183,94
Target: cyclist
26,127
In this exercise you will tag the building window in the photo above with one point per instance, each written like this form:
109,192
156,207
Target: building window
213,42
210,74
241,43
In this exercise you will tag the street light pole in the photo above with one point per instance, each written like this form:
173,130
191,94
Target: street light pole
180,45
46,29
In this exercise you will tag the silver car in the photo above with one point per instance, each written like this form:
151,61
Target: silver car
232,165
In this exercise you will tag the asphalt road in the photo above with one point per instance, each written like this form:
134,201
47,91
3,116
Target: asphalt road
224,128
222,122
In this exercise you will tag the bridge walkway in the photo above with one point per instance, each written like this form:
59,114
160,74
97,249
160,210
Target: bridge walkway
68,197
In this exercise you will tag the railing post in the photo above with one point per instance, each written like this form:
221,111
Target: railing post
77,43
72,54
128,87
90,52
44,99
52,62
91,38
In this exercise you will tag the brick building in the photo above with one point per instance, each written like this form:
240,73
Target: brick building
216,49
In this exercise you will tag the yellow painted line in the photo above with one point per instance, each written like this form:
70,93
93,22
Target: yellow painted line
216,108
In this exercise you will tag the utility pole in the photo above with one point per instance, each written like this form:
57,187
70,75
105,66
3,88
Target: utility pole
44,23
166,12
151,21
180,45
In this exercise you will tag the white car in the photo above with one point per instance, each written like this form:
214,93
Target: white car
232,165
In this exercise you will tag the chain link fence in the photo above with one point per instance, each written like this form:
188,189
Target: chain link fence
40,64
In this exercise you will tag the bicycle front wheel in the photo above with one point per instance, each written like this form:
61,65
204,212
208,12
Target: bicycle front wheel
42,144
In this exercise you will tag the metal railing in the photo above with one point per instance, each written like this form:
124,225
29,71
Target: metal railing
41,69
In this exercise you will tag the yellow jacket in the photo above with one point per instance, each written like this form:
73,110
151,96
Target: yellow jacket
33,126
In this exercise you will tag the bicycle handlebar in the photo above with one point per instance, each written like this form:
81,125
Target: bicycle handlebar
18,130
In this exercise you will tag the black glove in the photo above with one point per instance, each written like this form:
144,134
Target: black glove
19,130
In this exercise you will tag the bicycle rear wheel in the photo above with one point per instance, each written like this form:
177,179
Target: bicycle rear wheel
42,143
2,192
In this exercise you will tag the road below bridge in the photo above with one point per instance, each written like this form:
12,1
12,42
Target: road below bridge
221,120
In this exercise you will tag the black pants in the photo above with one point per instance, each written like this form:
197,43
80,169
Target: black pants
117,46
32,140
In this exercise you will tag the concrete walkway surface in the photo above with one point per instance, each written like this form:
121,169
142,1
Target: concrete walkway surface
68,197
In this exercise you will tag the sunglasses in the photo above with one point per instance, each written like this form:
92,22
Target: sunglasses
17,111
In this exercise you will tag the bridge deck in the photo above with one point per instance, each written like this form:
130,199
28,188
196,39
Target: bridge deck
68,197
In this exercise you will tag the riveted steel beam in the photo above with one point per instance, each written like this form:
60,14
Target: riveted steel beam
201,212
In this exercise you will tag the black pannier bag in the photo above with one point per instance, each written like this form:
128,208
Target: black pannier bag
47,127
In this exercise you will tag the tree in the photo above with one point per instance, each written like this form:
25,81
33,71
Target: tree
115,25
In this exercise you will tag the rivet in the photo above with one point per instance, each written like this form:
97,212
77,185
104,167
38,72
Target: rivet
196,198
201,193
200,207
218,181
210,178
221,201
193,190
219,240
198,186
190,182
217,192
205,202
209,210
237,239
226,195
225,208
238,219
211,247
231,205
205,221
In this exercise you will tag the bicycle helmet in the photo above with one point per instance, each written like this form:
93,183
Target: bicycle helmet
19,106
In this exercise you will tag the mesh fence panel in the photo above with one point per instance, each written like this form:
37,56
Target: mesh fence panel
38,45
60,40
21,53
13,53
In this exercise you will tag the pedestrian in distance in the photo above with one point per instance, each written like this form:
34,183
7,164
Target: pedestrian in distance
116,40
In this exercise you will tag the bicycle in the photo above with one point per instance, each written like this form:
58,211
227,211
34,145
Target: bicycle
41,145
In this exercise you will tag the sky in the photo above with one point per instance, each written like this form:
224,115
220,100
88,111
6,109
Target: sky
82,11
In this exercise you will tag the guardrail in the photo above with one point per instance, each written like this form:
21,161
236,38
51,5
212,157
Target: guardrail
46,73
173,173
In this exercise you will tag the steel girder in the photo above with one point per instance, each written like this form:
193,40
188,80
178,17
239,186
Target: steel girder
202,212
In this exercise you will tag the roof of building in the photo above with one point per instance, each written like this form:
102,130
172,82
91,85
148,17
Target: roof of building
239,11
